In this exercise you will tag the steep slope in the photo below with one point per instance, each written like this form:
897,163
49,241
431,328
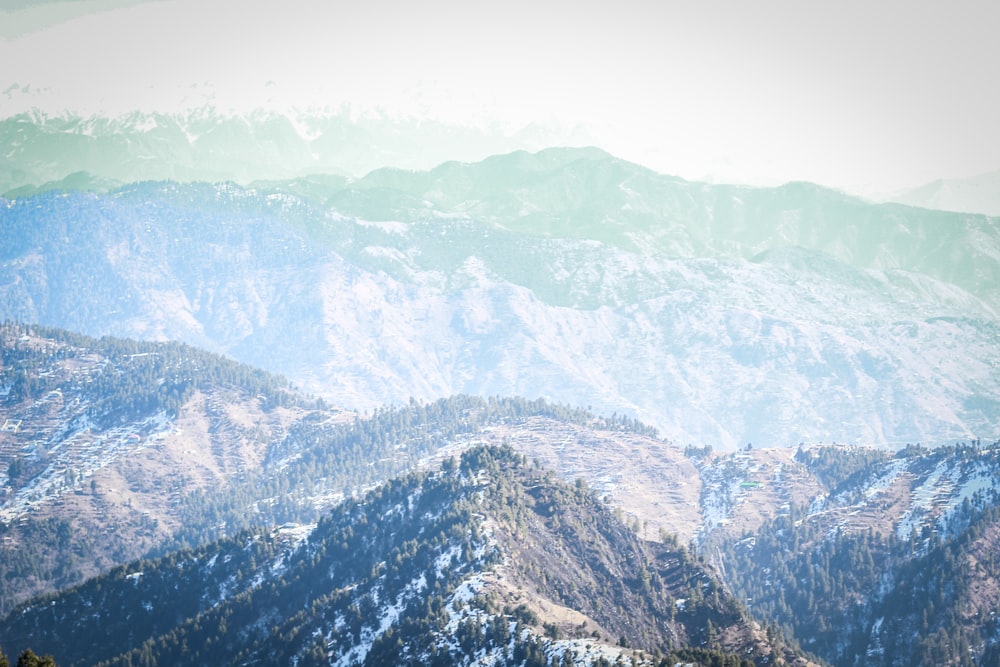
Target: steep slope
112,449
891,566
827,543
488,560
863,555
566,274
656,486
100,441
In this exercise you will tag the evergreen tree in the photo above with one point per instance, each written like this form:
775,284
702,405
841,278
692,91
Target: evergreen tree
29,659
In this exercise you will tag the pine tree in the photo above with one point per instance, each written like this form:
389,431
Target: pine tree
29,659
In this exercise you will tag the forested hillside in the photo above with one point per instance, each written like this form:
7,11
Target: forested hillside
738,337
102,439
858,590
112,449
488,559
115,450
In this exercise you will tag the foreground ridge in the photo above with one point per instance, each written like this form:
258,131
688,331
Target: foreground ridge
488,560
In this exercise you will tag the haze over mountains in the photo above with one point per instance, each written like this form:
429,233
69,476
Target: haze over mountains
719,314
791,318
976,194
204,144
67,149
388,333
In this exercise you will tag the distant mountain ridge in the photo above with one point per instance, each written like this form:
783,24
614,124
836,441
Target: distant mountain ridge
45,151
567,274
825,543
587,194
976,194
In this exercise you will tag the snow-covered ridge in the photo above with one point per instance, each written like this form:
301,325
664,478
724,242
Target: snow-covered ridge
903,496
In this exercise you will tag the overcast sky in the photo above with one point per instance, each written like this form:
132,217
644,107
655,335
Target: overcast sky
868,96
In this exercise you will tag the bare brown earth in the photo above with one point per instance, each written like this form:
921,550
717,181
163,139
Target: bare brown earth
652,481
745,489
207,447
123,506
984,587
90,499
559,561
658,488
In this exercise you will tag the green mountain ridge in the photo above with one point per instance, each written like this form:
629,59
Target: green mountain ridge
588,194
209,145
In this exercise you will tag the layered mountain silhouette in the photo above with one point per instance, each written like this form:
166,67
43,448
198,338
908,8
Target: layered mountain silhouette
262,403
719,314
217,474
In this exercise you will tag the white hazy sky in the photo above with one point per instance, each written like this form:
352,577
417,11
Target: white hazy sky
868,95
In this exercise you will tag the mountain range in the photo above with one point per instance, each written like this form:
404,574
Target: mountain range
220,477
720,315
976,194
45,151
456,567
264,399
68,150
